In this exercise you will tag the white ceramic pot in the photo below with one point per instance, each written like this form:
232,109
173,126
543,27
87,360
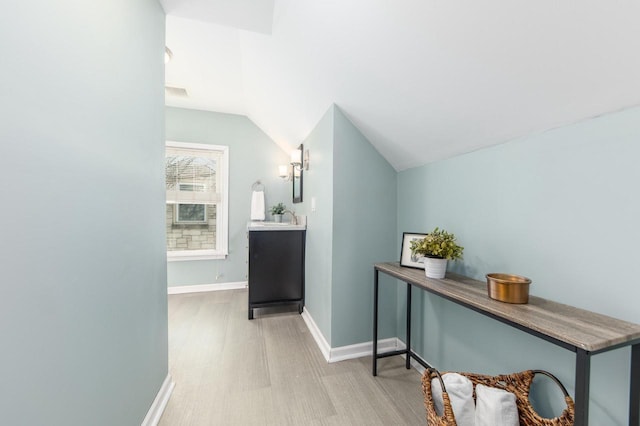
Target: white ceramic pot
277,218
434,267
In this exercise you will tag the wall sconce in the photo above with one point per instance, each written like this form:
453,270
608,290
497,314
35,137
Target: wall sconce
298,161
285,173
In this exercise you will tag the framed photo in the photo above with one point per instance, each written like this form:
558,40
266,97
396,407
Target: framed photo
406,257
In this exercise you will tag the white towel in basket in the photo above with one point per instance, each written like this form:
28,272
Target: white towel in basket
495,407
460,390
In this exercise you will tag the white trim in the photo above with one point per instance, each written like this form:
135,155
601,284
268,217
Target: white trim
357,350
360,350
191,145
317,335
182,255
342,353
222,219
159,403
222,227
206,287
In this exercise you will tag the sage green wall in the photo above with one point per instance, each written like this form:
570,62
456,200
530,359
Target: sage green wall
318,183
364,232
83,312
352,227
252,156
559,207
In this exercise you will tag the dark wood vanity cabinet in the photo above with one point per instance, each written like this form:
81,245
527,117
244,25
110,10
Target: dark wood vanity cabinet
276,268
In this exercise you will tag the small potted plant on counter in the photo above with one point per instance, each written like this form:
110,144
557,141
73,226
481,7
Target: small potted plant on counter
436,248
277,211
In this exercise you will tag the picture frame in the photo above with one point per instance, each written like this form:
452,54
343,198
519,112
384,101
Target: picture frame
406,257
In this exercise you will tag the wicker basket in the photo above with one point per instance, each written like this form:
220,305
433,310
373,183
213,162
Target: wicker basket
518,383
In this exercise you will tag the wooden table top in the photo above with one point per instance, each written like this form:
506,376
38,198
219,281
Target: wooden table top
576,327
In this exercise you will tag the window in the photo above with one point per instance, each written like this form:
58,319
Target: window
190,214
197,201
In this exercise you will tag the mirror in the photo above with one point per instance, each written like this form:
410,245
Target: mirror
297,177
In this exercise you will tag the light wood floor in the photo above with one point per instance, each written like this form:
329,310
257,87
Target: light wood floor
232,371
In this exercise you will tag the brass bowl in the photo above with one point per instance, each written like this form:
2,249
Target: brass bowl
508,288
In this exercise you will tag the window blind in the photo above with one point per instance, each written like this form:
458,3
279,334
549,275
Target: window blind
192,176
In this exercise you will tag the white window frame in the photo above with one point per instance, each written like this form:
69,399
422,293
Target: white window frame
222,208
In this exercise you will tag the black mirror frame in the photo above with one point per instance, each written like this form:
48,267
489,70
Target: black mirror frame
297,197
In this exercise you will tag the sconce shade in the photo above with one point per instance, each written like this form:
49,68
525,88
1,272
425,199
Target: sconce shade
283,171
296,157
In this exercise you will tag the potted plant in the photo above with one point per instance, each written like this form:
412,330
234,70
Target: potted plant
277,211
436,248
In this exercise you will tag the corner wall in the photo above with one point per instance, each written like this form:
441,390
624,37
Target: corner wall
252,156
352,227
318,183
559,207
83,312
364,229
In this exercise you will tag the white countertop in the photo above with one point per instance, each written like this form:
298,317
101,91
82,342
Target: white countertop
274,226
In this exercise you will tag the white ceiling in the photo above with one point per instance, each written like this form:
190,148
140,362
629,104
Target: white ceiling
422,79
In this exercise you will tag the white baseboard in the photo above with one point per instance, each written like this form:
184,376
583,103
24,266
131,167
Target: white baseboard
360,350
357,350
159,403
317,335
206,287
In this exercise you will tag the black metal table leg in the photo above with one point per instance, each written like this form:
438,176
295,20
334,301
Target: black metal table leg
583,368
408,361
634,392
375,323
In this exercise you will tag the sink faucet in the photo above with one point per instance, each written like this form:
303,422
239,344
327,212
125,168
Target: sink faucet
294,220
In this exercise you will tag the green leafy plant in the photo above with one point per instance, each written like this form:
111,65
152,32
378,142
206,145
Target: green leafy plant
278,209
438,243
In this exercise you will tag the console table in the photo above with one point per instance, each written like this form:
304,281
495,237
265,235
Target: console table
580,331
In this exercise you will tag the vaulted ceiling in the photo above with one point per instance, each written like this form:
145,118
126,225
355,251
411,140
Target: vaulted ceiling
422,79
